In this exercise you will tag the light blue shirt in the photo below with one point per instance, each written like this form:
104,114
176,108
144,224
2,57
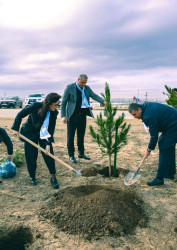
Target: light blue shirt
44,134
85,103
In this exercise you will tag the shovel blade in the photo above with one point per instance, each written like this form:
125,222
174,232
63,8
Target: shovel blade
131,178
77,172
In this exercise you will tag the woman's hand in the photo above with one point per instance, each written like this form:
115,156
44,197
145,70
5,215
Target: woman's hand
147,153
47,149
9,157
15,132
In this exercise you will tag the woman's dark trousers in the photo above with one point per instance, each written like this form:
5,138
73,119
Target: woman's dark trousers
76,122
167,163
31,154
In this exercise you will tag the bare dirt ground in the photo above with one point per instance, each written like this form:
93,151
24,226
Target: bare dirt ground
23,205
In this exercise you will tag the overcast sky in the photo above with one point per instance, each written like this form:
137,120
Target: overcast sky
46,44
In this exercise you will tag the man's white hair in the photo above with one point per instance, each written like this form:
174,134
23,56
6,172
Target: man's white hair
83,76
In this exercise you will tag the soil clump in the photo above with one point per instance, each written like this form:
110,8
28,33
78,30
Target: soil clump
92,171
94,211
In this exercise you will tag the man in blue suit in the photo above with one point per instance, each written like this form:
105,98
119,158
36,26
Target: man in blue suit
75,107
159,118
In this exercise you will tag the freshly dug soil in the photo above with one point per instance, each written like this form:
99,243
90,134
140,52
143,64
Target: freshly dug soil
20,202
89,172
105,171
92,171
94,211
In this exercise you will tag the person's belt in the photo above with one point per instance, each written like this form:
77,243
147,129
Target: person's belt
80,113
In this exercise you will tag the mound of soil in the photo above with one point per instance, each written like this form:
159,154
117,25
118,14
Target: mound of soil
104,171
93,211
15,237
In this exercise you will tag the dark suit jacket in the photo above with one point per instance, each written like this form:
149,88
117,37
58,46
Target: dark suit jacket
70,97
29,128
6,139
160,118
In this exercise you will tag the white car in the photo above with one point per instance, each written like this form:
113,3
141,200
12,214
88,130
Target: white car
34,98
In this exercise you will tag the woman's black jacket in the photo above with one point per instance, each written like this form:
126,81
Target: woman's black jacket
30,128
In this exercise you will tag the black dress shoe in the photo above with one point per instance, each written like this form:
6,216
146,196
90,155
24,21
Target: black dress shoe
171,177
155,182
54,183
84,157
72,159
33,181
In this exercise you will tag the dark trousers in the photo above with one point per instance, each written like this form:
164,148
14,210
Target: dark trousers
76,122
31,154
167,162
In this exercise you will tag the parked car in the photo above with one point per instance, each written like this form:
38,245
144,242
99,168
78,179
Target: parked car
11,102
34,98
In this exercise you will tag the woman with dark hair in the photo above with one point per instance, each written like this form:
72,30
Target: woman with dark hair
39,128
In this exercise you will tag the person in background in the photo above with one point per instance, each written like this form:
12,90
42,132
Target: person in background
39,128
74,109
6,139
159,118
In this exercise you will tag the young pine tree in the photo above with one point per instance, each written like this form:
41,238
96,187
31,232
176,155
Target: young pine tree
111,135
172,98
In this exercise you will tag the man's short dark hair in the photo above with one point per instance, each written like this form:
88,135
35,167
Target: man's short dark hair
175,89
134,107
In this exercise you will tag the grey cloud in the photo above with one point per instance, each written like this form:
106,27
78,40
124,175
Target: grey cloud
100,37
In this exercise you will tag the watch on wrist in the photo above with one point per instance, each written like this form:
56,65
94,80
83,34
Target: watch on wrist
149,150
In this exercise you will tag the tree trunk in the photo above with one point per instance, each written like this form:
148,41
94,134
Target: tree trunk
115,153
109,165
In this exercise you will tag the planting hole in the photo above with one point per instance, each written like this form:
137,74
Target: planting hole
15,238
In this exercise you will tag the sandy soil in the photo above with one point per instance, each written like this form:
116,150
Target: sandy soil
21,203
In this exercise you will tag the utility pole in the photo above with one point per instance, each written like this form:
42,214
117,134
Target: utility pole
146,96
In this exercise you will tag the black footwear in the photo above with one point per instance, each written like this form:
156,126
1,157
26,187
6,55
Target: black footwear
155,182
72,159
171,177
33,181
84,157
54,183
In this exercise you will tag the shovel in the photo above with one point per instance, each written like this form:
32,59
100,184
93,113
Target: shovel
131,177
51,155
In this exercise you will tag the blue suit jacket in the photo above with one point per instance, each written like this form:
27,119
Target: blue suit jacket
160,118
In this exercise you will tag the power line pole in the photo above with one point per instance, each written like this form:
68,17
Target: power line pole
146,96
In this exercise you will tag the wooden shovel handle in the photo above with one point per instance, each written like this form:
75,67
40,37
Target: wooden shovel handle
141,161
138,169
43,150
